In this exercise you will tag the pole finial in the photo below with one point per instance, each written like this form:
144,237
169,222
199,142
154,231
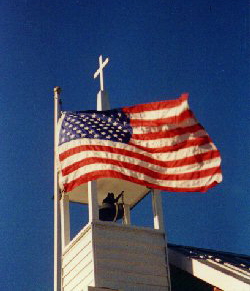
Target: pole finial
57,90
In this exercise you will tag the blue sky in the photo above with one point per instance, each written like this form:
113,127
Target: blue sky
158,50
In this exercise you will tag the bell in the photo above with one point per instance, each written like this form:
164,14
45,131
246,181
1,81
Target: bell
111,210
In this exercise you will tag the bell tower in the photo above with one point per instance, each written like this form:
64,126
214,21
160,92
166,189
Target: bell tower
106,255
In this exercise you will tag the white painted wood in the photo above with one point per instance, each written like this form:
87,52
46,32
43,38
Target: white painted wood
65,220
126,217
211,272
124,248
152,259
127,257
85,266
114,273
157,210
84,254
100,71
100,289
119,257
136,287
77,238
123,266
78,251
57,225
92,201
141,237
133,192
77,261
83,277
102,101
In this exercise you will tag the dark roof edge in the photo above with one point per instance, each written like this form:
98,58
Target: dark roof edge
176,247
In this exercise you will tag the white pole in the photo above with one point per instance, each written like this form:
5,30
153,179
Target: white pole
157,210
65,220
57,225
126,218
102,101
92,200
159,223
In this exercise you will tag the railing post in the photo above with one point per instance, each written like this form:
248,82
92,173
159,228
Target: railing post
126,218
157,210
65,220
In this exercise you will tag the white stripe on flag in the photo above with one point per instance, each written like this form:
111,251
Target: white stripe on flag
162,156
143,177
145,129
157,143
73,160
161,113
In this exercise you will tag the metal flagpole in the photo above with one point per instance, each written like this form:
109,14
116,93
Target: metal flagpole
57,224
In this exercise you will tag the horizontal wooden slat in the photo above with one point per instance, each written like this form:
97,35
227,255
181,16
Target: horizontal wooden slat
81,285
124,255
129,246
130,241
126,228
83,272
135,267
125,286
82,255
131,278
70,268
81,246
114,233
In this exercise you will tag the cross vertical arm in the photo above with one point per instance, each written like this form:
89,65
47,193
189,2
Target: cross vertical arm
100,71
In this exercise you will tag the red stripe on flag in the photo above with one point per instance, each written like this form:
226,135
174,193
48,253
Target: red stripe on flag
167,133
113,174
139,169
184,145
156,105
168,120
198,158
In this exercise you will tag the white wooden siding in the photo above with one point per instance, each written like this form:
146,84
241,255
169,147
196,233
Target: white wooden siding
77,262
120,257
129,258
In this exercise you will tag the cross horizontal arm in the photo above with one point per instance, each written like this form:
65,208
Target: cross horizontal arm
101,67
100,71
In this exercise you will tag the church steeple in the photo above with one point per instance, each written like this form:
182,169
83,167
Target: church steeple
107,254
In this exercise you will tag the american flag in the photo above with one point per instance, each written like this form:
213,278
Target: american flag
160,145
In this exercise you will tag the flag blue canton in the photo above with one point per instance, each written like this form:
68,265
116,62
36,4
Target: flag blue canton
111,125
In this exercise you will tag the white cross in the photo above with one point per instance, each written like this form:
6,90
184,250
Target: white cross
100,71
